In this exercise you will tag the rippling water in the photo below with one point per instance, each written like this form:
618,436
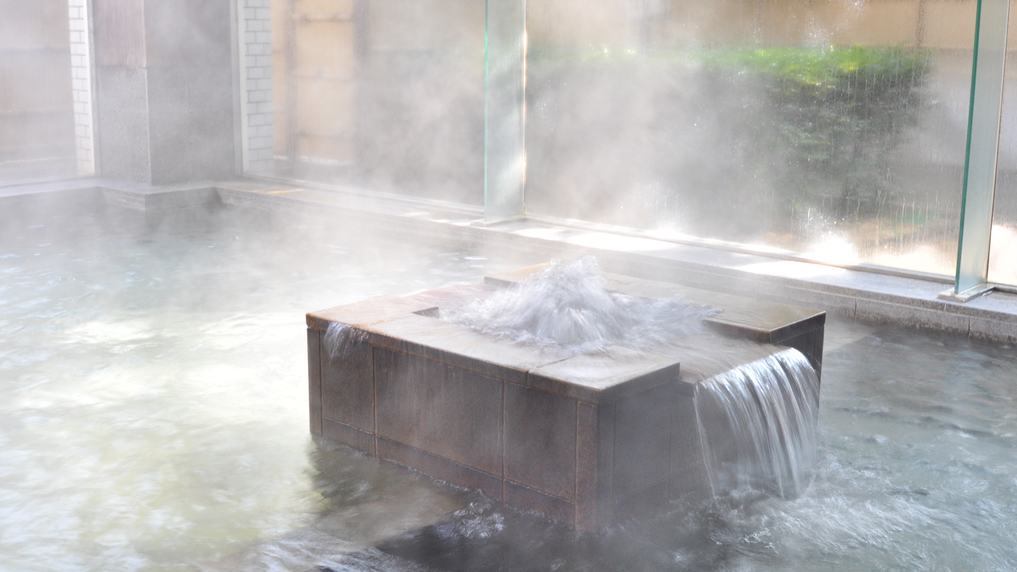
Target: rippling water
153,417
153,380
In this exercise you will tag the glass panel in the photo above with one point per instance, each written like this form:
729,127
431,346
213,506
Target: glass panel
39,104
384,95
983,144
1003,250
504,155
835,129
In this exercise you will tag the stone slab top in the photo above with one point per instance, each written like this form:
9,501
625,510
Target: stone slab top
460,347
411,325
604,376
381,308
708,354
757,320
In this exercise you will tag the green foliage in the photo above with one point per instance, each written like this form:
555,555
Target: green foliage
827,119
823,68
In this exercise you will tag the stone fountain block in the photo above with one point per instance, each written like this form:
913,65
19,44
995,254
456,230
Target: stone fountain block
588,440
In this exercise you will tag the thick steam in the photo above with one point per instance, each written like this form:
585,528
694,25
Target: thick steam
569,306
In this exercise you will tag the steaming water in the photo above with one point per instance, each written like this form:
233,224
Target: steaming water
767,412
567,305
153,393
153,414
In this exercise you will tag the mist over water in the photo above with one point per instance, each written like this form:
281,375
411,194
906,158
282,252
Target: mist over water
153,372
154,416
568,306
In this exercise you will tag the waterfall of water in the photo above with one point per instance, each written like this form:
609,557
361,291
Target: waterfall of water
340,339
757,425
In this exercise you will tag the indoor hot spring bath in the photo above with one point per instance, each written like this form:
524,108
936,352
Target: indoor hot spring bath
154,417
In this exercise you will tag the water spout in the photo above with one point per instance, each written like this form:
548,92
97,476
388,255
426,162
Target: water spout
568,306
758,424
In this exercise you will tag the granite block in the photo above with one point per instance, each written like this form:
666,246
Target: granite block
314,379
840,303
169,139
587,465
540,440
810,344
347,386
360,440
535,501
766,322
707,354
604,376
692,485
123,89
380,308
209,86
994,330
642,439
440,468
911,316
366,312
451,413
167,89
646,501
605,462
716,435
459,347
996,305
124,145
685,448
587,440
210,143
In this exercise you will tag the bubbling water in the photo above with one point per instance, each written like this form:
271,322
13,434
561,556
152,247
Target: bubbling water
568,306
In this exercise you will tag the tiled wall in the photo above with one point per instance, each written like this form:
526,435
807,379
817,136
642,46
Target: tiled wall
256,82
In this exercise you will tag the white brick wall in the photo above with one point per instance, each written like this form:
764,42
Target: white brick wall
81,83
256,63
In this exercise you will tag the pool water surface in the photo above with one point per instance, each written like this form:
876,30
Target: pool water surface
154,417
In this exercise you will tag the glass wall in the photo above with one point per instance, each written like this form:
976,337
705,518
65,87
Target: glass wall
385,95
1003,245
831,128
45,90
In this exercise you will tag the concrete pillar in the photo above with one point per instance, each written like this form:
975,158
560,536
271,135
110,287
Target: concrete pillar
165,90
